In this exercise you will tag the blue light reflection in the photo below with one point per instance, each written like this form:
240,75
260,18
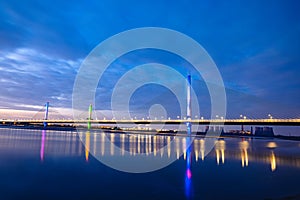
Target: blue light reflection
188,173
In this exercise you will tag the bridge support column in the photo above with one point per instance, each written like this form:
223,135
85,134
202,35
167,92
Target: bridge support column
46,113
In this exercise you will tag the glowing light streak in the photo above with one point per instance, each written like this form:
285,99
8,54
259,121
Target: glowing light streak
42,151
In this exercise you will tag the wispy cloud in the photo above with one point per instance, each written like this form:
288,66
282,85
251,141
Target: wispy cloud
28,76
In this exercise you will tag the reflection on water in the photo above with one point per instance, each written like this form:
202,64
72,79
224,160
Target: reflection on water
87,145
150,145
51,143
244,152
273,161
271,145
188,173
220,149
43,145
253,156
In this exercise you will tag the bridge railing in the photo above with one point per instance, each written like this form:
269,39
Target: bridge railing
165,121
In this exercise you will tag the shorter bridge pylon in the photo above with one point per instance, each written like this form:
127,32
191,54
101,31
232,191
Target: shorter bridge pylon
90,116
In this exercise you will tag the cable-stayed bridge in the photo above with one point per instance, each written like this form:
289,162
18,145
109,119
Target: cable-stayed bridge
43,116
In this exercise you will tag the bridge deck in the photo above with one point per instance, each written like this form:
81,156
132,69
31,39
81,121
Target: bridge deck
271,122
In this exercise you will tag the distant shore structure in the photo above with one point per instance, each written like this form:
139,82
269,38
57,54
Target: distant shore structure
264,131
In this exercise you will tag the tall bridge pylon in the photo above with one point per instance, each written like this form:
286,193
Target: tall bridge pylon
188,103
188,98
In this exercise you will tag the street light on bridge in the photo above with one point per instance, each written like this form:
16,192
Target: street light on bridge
270,116
243,116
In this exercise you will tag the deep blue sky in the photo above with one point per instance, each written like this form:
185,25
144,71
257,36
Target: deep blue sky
255,44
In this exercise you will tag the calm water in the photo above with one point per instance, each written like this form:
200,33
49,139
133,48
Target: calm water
56,165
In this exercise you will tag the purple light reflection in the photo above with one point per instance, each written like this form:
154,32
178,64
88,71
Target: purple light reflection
188,173
42,151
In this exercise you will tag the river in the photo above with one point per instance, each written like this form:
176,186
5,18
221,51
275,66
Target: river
36,164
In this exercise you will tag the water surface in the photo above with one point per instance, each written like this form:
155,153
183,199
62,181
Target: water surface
38,164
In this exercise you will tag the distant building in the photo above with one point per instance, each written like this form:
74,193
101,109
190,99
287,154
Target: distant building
214,129
264,131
